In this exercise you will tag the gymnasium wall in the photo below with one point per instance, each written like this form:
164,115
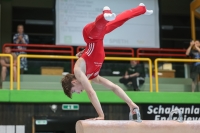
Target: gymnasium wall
7,5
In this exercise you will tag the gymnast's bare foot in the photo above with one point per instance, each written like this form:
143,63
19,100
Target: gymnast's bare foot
108,15
148,12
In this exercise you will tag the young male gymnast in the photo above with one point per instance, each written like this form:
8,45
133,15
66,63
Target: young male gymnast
91,59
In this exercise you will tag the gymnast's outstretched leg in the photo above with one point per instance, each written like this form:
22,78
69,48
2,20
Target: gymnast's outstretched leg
126,15
96,29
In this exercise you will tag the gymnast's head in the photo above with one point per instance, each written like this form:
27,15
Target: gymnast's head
71,85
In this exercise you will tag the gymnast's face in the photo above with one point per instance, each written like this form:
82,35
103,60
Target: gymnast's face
77,87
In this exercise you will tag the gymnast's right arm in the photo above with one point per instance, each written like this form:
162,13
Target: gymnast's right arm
81,77
117,90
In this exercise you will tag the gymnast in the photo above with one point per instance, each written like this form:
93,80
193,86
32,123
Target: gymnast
91,59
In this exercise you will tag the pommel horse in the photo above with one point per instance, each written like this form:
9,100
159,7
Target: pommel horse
138,125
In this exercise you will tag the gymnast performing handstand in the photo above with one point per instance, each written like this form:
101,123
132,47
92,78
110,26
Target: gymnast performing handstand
91,59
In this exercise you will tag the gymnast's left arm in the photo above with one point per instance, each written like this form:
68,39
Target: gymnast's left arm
117,90
79,54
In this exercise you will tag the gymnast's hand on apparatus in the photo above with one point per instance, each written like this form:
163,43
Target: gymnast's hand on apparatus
132,107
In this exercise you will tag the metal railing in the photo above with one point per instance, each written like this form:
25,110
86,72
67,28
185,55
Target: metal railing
11,68
74,57
112,51
42,49
168,60
38,57
160,52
